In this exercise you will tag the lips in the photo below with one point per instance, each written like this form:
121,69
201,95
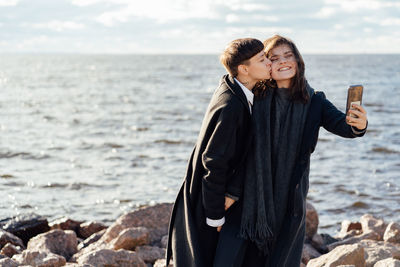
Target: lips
284,68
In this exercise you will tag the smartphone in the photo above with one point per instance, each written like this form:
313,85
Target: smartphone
354,96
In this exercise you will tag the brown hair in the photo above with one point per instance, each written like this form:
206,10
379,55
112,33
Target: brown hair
239,52
298,83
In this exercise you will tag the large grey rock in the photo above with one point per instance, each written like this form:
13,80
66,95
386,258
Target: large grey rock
154,218
7,262
111,258
6,237
150,254
60,242
39,259
379,250
25,226
312,221
89,228
130,238
392,233
342,255
390,262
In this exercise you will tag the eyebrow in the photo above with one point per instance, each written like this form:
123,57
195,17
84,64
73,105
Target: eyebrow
287,52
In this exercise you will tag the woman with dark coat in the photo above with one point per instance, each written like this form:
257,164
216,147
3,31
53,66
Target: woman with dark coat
287,115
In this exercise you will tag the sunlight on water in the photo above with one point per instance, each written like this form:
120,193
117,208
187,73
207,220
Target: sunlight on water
92,137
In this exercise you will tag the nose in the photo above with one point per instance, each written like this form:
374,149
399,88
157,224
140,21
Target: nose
282,60
269,62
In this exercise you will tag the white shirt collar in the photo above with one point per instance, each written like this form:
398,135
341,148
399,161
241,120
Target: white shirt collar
249,95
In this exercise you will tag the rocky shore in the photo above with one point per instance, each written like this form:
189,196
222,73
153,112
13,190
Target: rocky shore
139,239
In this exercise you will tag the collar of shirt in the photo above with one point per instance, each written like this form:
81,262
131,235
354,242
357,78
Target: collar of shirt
249,95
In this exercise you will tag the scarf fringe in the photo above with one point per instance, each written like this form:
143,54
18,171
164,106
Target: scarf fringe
261,234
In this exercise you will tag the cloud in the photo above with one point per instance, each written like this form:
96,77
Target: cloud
391,22
326,12
383,21
58,26
162,11
159,10
8,2
357,5
251,7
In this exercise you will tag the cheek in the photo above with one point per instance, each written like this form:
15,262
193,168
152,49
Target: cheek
274,70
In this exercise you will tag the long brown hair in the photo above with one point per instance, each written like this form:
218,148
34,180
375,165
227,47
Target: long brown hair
298,83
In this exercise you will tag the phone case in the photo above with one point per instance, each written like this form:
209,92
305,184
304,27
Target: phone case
354,96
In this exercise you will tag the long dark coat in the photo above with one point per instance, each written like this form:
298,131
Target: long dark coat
213,170
322,113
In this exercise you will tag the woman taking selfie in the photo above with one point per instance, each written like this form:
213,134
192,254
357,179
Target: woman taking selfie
287,115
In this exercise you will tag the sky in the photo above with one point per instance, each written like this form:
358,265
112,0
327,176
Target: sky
196,26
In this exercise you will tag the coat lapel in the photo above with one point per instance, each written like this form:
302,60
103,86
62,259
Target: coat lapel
237,90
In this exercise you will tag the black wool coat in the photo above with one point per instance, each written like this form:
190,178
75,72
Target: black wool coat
214,169
322,113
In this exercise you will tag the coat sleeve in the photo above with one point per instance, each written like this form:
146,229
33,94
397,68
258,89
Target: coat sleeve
216,157
334,121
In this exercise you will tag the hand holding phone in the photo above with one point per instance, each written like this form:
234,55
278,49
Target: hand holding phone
356,116
354,96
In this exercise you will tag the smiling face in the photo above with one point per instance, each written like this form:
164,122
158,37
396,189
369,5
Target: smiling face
284,65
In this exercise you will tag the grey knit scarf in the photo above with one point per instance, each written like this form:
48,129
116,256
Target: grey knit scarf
269,166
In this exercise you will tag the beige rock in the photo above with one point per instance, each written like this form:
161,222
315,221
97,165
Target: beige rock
91,239
111,258
371,224
349,229
312,220
130,238
150,254
71,264
392,233
99,245
39,259
162,263
6,237
60,242
379,250
356,239
309,252
7,262
342,255
89,228
390,262
10,250
154,218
